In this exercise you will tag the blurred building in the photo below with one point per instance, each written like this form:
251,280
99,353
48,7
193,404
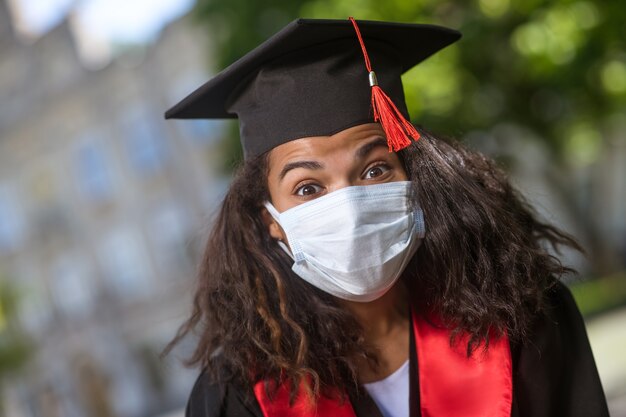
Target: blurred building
103,209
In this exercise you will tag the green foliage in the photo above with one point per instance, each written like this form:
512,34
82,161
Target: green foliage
554,69
557,68
239,25
15,348
598,295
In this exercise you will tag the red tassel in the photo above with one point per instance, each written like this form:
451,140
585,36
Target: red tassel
397,129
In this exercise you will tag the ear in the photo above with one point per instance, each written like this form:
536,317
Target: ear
272,226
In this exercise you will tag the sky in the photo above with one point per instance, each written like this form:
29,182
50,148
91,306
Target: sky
120,21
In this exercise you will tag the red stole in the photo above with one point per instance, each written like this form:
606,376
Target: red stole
450,383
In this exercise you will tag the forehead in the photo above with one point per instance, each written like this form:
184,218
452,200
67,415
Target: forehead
323,146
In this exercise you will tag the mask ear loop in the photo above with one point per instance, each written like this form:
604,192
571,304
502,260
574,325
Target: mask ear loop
272,210
276,216
418,223
286,249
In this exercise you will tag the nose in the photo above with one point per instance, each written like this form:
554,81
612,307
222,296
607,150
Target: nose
343,182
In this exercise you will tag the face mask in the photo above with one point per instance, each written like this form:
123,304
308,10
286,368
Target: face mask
355,242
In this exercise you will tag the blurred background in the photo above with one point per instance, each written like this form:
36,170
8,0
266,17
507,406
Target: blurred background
104,206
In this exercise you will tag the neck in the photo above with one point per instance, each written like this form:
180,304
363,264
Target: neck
385,323
383,316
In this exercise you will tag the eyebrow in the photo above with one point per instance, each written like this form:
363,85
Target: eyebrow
360,153
313,165
364,150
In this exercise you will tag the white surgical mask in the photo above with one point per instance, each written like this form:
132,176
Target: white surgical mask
355,242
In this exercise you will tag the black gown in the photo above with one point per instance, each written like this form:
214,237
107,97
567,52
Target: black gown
554,374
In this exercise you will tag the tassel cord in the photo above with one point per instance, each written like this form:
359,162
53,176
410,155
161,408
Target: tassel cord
397,129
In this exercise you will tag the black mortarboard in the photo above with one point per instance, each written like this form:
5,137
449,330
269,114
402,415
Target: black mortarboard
310,79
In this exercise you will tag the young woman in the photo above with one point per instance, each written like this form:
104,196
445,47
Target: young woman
360,267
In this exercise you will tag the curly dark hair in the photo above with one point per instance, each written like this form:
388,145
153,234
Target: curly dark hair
482,267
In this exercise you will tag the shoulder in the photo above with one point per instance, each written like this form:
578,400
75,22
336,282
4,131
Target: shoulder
206,397
560,299
559,326
210,398
555,372
562,317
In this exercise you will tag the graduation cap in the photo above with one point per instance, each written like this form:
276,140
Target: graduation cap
315,78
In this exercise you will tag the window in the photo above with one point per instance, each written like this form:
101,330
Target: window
93,168
169,230
124,260
12,222
72,285
146,146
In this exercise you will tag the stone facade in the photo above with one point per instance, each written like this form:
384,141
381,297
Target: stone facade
103,210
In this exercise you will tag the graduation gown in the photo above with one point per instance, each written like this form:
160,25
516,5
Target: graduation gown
553,371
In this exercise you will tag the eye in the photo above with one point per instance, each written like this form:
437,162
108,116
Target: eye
376,171
308,189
